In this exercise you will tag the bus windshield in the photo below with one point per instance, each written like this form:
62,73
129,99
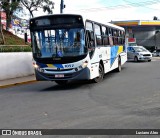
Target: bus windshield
58,43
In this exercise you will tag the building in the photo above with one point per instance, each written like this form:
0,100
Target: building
146,32
3,19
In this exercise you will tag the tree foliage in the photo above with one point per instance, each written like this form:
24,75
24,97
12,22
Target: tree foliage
155,18
9,7
34,5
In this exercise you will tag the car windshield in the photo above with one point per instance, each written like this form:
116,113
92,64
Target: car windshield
58,42
140,49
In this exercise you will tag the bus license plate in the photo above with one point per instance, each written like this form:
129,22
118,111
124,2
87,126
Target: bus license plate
59,76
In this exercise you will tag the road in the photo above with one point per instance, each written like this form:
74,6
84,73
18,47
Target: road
129,99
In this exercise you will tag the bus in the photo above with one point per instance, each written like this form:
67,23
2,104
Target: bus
67,48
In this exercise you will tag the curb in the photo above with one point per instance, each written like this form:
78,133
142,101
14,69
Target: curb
17,83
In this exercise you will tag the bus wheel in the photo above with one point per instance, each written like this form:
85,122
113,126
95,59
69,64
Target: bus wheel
101,74
119,65
61,82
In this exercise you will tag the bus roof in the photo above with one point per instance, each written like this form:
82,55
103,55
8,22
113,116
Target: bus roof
106,24
50,15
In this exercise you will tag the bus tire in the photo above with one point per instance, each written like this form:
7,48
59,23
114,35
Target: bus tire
61,82
101,74
119,68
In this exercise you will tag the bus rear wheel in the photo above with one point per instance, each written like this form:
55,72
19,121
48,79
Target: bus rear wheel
61,82
101,74
119,65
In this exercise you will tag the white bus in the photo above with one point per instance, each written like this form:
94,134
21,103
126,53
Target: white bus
67,48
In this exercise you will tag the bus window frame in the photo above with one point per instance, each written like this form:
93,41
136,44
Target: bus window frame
99,35
105,37
90,41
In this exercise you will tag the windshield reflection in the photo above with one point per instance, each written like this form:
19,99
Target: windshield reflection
58,43
140,49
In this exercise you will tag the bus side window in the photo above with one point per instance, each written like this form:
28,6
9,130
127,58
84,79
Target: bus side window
98,34
123,37
115,37
110,37
89,37
119,37
105,36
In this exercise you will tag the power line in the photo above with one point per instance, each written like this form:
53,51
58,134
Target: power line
144,6
129,5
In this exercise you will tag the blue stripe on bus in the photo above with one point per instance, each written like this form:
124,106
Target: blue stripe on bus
114,51
41,65
58,65
45,65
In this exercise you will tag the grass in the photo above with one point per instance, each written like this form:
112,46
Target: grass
11,39
19,43
15,49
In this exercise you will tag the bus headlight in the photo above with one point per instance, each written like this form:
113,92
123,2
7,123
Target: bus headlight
84,65
35,65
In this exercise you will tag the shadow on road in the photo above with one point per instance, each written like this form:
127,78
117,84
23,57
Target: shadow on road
71,85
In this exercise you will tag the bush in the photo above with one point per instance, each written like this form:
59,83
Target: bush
15,49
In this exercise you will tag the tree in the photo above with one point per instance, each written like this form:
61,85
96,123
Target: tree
2,40
9,6
33,5
155,18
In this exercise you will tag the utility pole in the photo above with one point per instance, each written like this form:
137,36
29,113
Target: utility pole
62,6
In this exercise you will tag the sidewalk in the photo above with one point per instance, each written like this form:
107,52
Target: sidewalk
16,81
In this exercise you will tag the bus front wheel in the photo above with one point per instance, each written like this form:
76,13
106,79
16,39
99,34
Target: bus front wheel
101,74
61,82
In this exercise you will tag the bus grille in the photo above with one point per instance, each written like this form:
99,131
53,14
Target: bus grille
58,69
52,76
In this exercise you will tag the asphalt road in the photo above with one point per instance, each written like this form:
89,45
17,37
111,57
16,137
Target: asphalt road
129,99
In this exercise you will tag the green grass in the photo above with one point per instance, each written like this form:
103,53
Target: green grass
19,43
11,39
15,49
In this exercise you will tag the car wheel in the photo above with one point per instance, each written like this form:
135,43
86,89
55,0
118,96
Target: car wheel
61,82
149,60
136,59
101,74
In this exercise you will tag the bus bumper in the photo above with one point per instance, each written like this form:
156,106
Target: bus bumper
83,74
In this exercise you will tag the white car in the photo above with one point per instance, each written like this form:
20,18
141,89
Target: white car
138,53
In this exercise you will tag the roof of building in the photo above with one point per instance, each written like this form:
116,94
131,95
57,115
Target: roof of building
137,23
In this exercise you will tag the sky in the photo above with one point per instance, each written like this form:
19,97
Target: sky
110,10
